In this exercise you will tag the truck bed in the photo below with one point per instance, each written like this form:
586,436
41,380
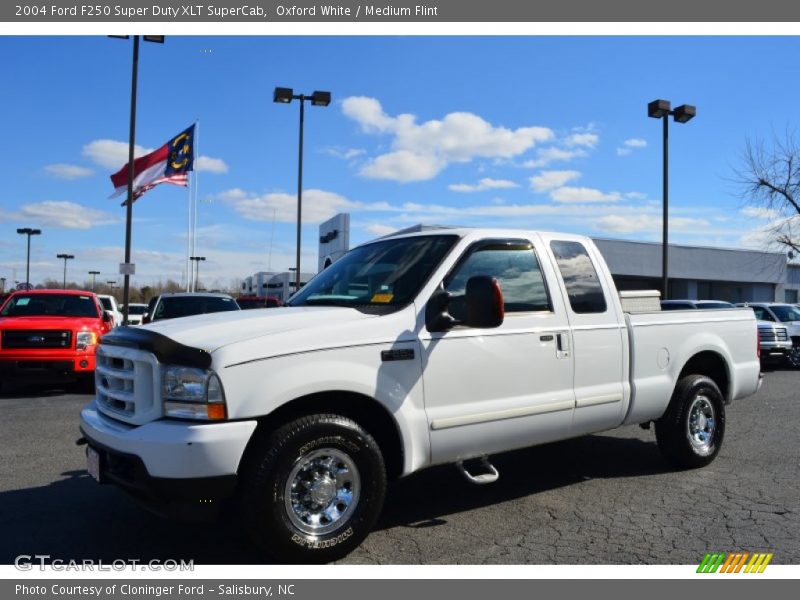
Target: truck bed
663,343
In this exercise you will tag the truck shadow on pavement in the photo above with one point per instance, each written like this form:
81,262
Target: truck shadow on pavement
75,519
426,498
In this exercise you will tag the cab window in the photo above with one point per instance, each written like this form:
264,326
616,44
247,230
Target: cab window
580,277
515,266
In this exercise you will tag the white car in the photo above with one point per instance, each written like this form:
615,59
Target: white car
136,313
418,349
110,306
786,315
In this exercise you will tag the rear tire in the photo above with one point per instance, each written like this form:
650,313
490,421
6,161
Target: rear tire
313,489
690,433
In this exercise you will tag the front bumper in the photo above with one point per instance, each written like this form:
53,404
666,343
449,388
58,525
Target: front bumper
19,365
775,350
176,469
172,449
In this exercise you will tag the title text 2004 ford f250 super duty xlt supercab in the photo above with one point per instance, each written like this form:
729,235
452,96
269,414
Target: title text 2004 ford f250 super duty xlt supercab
442,346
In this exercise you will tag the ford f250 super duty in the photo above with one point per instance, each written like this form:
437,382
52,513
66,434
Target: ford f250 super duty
418,349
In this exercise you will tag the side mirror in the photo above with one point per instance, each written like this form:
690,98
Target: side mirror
482,306
145,318
484,303
107,317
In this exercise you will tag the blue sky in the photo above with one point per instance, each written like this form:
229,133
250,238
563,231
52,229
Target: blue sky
534,132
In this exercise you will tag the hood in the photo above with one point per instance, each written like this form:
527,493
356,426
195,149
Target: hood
213,331
49,322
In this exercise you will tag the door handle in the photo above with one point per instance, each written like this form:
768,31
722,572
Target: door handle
562,345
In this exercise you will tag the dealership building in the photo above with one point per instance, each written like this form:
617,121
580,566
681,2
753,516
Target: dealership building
695,272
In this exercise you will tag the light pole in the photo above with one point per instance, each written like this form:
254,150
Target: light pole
65,257
111,284
29,232
93,273
285,96
661,109
196,260
159,39
2,284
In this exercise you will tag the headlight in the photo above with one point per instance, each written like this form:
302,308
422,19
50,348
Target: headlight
190,393
84,339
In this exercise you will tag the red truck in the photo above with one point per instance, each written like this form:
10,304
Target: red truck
46,333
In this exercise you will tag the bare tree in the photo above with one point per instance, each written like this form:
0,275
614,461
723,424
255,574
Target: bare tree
770,181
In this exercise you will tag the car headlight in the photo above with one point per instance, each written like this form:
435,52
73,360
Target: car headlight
191,393
85,339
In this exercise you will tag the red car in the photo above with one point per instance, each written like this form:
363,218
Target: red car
51,333
252,301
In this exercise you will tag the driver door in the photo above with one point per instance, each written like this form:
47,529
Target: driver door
490,390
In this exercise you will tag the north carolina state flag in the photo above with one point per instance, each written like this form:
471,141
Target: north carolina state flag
169,164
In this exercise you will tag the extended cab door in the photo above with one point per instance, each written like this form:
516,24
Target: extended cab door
489,390
599,342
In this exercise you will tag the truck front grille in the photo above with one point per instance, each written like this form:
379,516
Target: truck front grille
36,338
773,335
127,381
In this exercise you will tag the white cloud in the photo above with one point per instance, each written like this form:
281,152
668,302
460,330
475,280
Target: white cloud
629,145
210,165
586,139
403,166
368,113
379,229
65,171
641,223
548,180
318,205
546,156
68,215
581,195
487,183
635,143
636,196
759,212
344,153
421,150
112,154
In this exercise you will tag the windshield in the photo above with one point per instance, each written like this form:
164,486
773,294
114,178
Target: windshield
50,305
387,274
786,313
106,302
185,306
137,309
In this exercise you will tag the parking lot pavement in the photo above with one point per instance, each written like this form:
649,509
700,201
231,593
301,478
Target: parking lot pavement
606,498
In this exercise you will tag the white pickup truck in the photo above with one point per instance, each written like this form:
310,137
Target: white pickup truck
441,346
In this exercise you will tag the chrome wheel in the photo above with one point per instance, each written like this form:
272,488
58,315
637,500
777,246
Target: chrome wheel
701,425
322,491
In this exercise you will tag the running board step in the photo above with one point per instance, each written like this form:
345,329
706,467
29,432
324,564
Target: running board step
488,473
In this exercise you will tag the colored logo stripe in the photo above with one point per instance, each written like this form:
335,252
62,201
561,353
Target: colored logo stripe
735,562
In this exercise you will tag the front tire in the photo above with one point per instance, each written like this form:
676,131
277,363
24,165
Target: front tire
314,489
690,433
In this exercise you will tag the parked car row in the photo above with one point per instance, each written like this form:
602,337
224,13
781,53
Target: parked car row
778,326
54,333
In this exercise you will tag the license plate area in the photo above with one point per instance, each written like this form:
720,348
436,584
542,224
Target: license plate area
93,463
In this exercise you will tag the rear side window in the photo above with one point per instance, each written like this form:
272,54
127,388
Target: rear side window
580,277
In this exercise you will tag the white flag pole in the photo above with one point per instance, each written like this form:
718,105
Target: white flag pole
189,236
196,187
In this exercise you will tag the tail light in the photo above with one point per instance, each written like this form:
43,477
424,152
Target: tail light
758,343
